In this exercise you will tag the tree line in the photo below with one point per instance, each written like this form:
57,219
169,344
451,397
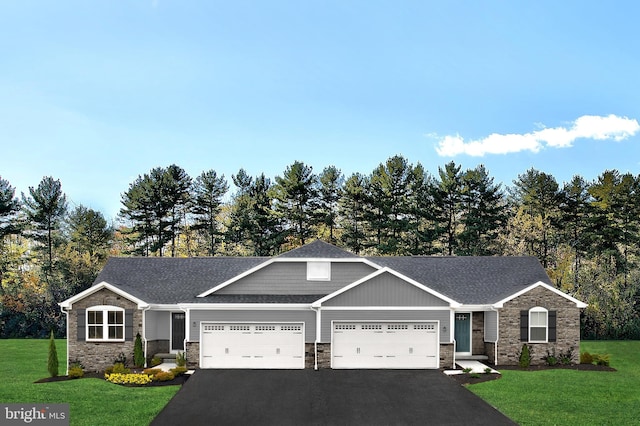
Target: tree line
585,233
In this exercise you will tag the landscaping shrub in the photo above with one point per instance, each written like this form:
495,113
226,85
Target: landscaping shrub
164,376
155,361
524,357
586,358
601,359
566,357
550,358
138,352
117,368
179,371
181,359
52,361
76,371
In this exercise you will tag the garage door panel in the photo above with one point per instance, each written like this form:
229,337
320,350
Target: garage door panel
252,345
385,345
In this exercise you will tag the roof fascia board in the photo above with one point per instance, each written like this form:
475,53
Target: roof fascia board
452,303
67,304
244,306
385,308
579,304
287,260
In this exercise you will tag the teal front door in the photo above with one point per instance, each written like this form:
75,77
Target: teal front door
463,332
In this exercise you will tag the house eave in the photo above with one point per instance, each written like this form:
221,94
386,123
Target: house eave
579,304
245,306
68,304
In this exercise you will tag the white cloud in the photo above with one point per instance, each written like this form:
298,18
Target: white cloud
593,127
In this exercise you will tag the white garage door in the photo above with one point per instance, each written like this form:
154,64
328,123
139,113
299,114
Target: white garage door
385,345
252,345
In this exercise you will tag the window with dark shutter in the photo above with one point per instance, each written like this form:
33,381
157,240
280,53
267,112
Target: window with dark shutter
81,325
524,326
552,326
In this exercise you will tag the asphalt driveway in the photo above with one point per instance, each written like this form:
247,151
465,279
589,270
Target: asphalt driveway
326,397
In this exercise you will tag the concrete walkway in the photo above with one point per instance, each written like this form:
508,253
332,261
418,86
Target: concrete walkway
475,366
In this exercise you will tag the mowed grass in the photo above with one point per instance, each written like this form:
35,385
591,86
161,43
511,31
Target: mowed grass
92,401
571,397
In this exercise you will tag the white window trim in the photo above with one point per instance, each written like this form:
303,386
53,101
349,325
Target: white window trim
546,327
318,271
105,309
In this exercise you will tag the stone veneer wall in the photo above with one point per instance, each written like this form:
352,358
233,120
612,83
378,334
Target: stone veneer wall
97,356
446,355
567,325
193,354
477,333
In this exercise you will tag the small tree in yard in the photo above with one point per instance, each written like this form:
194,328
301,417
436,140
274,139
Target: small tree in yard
138,353
52,363
524,359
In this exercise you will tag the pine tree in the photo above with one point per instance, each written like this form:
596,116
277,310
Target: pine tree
208,190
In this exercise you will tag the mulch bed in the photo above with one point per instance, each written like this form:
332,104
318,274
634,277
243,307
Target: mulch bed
466,379
180,380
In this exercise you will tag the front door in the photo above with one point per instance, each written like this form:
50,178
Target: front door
463,333
177,331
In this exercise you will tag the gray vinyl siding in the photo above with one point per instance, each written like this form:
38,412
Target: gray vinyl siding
385,290
308,317
371,315
291,278
490,326
157,325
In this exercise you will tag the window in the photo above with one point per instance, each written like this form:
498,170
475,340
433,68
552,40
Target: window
318,271
105,323
538,324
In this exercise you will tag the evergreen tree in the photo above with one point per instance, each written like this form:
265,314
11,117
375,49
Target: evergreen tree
296,197
351,207
331,181
45,209
483,213
208,191
538,193
447,195
576,212
9,206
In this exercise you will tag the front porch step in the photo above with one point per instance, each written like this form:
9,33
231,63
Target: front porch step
472,357
166,357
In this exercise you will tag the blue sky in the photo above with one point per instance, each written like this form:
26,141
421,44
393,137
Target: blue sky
95,93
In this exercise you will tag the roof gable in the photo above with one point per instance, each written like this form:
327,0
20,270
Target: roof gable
67,304
578,303
407,280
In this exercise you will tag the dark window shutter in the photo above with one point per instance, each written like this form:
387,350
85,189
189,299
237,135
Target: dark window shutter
128,324
552,326
524,326
82,325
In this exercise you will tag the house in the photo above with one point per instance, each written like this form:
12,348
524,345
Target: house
319,306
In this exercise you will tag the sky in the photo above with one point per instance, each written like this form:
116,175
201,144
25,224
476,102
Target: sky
96,93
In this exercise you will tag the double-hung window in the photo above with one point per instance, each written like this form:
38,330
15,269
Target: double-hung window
105,323
538,325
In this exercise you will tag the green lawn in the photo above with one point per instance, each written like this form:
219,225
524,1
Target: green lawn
570,397
92,401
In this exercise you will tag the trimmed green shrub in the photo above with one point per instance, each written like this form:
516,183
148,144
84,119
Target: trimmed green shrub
52,361
76,371
138,352
151,371
466,370
524,358
586,358
550,358
155,361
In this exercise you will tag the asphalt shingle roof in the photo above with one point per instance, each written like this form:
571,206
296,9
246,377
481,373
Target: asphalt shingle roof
468,280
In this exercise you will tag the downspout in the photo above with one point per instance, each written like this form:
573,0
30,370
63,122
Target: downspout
144,332
66,312
187,319
316,340
495,344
